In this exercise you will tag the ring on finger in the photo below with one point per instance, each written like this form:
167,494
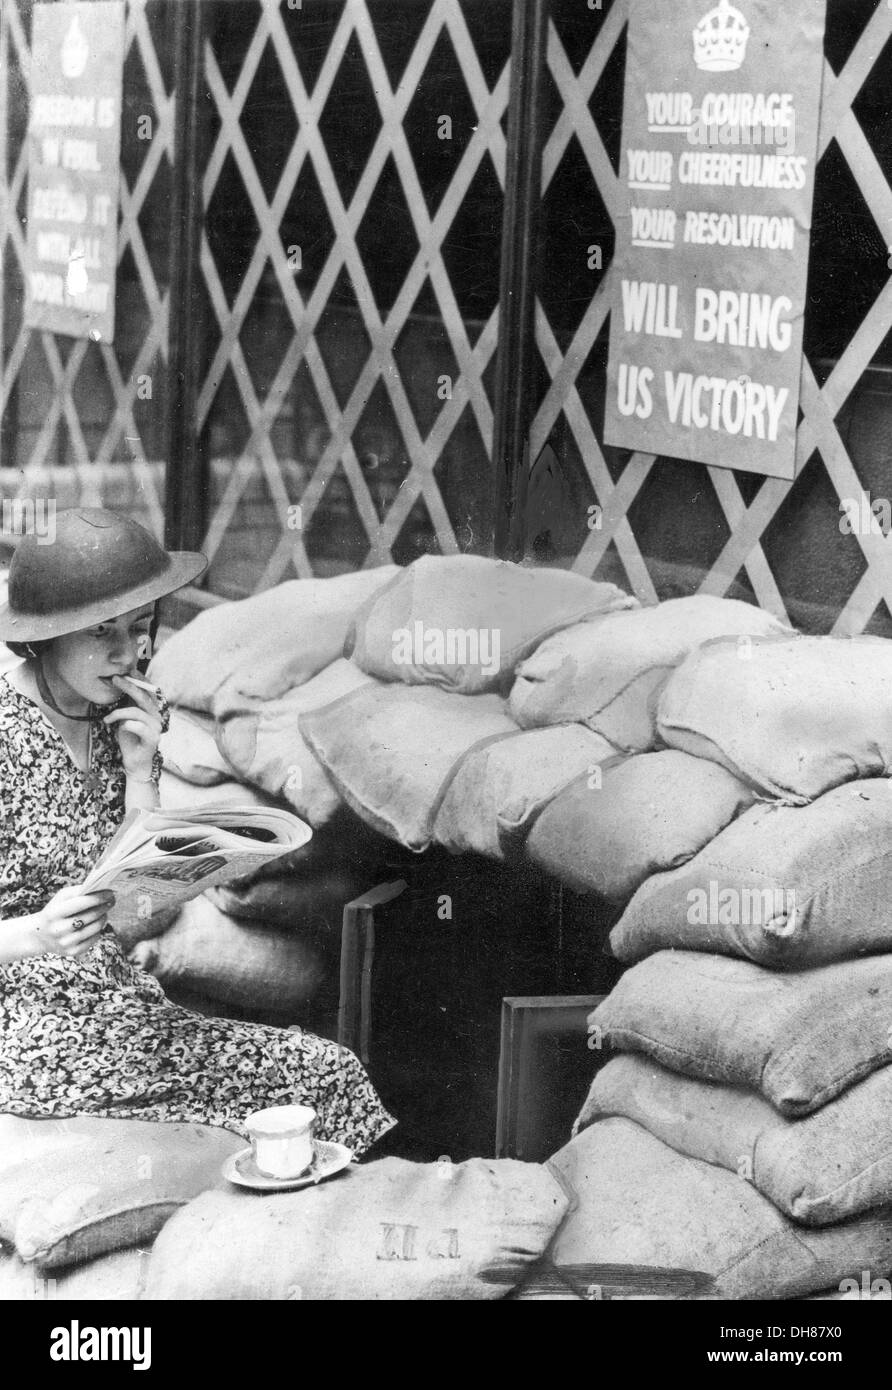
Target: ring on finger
78,924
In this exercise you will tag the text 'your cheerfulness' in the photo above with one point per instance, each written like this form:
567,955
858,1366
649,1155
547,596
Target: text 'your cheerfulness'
743,320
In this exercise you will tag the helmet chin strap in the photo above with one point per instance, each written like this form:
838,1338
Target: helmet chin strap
47,696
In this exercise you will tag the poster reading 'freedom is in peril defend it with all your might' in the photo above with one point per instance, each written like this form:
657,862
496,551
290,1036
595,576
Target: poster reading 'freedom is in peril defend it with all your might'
720,134
77,62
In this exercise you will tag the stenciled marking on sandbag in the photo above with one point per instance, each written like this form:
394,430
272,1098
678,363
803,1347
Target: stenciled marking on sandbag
401,1242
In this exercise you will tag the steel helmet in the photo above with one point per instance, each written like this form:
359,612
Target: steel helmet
98,565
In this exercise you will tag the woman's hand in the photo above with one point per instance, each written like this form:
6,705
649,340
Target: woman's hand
70,922
139,727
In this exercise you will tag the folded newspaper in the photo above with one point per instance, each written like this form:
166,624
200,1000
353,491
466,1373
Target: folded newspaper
160,858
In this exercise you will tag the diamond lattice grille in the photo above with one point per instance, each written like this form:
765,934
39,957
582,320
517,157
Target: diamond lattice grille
373,395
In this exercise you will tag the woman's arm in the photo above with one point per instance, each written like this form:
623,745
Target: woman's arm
138,728
66,926
18,939
141,794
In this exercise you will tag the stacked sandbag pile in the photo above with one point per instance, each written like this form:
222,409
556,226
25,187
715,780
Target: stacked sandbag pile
750,1088
122,1209
82,1200
541,747
244,678
462,702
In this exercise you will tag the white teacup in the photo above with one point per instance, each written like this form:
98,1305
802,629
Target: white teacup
282,1139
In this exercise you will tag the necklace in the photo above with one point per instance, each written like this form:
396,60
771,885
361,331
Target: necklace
47,697
92,780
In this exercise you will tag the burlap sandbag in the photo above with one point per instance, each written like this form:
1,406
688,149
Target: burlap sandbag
640,1202
311,906
176,793
784,886
119,1277
824,1168
608,674
645,813
385,1230
390,750
73,1189
464,621
190,752
267,643
795,716
498,788
207,952
262,740
799,1037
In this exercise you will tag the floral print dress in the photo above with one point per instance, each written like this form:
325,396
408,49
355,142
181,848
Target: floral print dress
93,1034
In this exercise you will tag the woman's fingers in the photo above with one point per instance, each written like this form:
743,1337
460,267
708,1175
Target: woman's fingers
80,905
71,942
84,897
142,727
85,917
146,700
129,713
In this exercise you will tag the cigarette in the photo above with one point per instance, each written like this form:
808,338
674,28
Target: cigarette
143,685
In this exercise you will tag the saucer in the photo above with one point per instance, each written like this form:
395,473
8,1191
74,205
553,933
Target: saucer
328,1159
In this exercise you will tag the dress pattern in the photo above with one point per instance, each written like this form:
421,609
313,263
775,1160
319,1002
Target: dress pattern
95,1035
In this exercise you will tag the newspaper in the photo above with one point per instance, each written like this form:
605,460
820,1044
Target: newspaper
159,859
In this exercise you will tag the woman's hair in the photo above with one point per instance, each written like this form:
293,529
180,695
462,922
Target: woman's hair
26,649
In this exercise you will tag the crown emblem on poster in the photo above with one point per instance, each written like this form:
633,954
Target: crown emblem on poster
75,50
720,39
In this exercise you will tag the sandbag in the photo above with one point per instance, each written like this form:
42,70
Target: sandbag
190,752
608,673
345,841
207,952
73,1189
118,1277
795,716
145,928
384,1230
262,740
390,750
645,813
498,788
785,886
640,1202
800,1038
311,907
824,1168
174,793
267,643
464,621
